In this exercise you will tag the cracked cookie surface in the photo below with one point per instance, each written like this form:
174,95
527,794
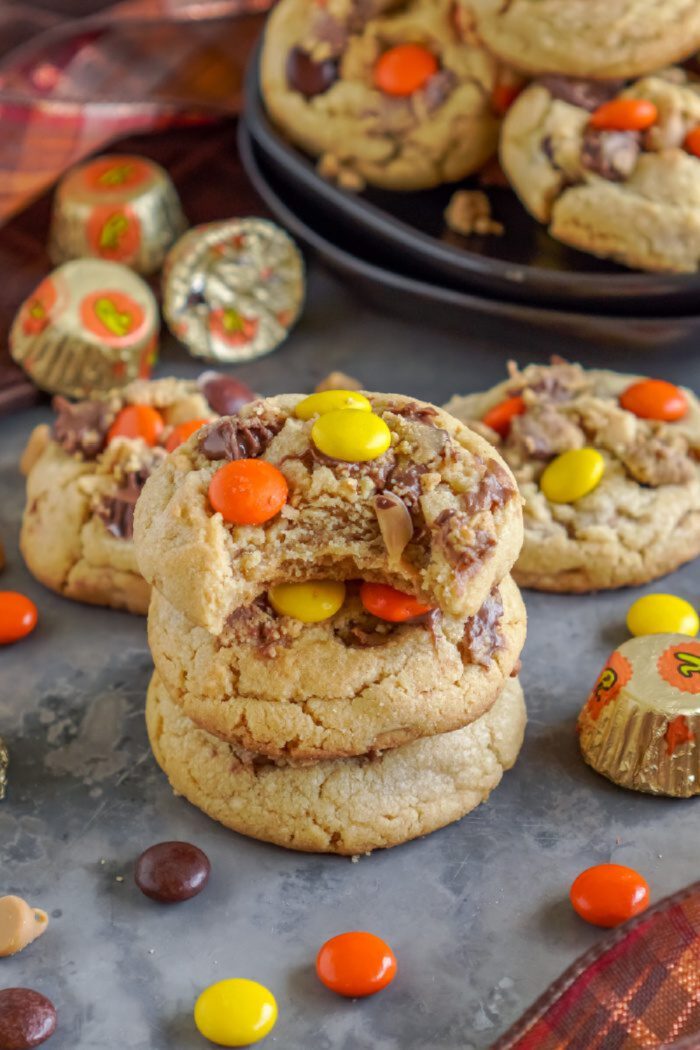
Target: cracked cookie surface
317,75
346,806
643,519
460,500
76,535
594,38
631,196
350,685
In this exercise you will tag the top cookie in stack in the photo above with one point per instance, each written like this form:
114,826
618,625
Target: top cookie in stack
331,581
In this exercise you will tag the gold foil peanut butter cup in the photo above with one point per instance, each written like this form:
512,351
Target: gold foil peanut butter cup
232,290
640,726
120,208
89,327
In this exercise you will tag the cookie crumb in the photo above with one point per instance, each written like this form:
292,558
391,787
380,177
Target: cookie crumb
469,212
331,167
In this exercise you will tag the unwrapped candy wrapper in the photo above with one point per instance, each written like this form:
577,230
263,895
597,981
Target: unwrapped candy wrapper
640,726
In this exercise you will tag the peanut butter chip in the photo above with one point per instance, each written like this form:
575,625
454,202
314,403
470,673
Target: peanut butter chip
20,924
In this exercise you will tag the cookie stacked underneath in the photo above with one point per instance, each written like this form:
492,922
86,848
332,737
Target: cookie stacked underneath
333,624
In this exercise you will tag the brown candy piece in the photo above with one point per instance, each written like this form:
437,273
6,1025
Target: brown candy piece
337,381
20,924
27,1018
170,872
308,77
226,395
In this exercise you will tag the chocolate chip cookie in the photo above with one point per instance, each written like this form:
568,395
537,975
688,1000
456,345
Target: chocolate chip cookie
345,806
435,515
588,38
385,93
85,473
613,170
639,515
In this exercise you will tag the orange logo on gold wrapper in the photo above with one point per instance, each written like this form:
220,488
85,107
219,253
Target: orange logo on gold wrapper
36,312
113,316
232,327
114,233
678,732
679,665
616,673
109,174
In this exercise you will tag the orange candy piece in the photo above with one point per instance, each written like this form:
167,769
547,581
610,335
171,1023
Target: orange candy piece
609,894
137,421
500,417
404,69
389,604
18,616
356,964
182,431
655,399
248,491
692,141
625,114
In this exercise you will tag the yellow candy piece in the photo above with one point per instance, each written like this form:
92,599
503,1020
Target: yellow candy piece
572,475
351,435
331,401
662,614
235,1012
308,602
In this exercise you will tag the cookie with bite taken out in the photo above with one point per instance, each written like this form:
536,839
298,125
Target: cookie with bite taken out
86,471
608,467
386,93
612,170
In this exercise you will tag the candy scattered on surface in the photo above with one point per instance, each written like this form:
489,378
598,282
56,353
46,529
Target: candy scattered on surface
500,417
389,604
181,432
351,434
331,401
235,1012
662,614
137,421
404,69
609,894
18,616
625,114
655,399
170,872
309,602
248,491
572,475
27,1018
225,394
356,964
20,924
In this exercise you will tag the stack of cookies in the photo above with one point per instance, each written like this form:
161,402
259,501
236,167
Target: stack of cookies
334,629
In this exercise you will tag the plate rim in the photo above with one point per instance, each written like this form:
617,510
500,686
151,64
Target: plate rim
469,262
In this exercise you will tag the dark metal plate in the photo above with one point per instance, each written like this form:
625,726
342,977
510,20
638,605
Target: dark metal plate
374,269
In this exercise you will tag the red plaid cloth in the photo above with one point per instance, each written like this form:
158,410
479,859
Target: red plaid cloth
70,86
640,987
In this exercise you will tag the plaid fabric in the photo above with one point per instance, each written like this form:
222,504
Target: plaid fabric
640,987
70,86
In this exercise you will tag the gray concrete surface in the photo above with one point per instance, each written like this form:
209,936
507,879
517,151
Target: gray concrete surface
477,913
